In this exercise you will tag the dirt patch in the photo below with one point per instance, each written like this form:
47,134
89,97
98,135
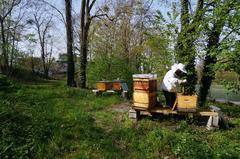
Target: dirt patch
122,107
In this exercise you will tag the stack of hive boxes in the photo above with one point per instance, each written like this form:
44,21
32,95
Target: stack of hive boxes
144,91
115,85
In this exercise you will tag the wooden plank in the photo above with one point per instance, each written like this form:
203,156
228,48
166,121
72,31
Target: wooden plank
175,104
187,110
144,105
167,111
140,107
110,91
207,113
163,111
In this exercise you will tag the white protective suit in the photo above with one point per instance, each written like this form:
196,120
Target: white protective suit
171,81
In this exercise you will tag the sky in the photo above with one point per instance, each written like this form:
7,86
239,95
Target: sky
59,30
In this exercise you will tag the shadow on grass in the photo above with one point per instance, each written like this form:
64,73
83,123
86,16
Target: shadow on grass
37,122
21,135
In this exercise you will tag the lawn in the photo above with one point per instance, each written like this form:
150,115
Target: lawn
49,120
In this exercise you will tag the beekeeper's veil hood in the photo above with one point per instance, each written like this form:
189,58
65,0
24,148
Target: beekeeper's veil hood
181,67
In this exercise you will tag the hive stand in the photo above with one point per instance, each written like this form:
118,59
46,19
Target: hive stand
168,111
145,101
111,87
215,115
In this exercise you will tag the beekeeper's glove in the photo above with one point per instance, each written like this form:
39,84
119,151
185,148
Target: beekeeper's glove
182,81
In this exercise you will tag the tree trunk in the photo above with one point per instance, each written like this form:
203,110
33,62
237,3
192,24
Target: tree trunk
12,52
4,61
44,61
208,74
45,69
46,75
83,60
69,31
85,23
32,63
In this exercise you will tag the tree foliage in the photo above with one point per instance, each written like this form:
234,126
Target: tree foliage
218,20
127,42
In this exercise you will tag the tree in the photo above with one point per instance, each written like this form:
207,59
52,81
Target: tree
69,31
129,43
43,23
31,41
67,21
6,9
218,22
185,48
86,19
85,22
16,27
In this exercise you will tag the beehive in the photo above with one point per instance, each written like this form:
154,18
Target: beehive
186,103
149,85
104,85
144,100
144,87
117,86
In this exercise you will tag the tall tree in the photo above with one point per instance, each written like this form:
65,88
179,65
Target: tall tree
6,9
69,31
86,18
67,20
43,23
85,22
213,40
16,28
185,48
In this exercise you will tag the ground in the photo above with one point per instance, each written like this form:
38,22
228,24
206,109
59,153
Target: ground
50,120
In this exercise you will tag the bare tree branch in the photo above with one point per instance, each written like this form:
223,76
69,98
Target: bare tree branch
232,31
14,3
91,5
101,15
55,8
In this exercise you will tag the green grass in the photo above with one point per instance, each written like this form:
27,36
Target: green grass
49,120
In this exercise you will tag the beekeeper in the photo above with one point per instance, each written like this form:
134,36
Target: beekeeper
171,81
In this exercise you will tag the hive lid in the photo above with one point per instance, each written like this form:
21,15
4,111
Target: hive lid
103,81
148,76
118,80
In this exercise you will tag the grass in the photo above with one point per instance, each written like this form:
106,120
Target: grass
49,120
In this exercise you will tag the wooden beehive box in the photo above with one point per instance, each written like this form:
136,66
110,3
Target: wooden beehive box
149,85
104,85
117,86
144,100
186,103
144,87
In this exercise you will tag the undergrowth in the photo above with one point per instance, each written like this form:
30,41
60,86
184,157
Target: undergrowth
50,120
